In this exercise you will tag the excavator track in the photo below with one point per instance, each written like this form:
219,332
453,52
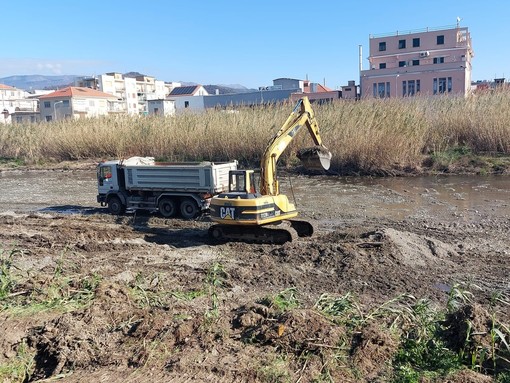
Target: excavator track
270,234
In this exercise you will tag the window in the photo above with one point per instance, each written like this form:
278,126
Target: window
401,64
65,103
442,85
19,119
416,62
48,118
382,66
438,60
382,46
401,44
416,42
381,89
47,104
186,104
410,88
440,40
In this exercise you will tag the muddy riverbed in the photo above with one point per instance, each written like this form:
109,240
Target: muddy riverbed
167,304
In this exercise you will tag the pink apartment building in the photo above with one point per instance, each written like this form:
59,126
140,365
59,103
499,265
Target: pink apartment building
428,62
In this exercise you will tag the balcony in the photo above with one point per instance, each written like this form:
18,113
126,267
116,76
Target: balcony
416,69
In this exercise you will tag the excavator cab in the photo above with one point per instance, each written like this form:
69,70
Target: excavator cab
242,182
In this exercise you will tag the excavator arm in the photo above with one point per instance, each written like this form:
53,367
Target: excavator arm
314,158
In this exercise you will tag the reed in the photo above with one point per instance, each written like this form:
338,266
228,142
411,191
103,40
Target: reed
368,136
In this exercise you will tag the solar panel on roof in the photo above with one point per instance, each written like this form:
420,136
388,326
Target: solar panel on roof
183,90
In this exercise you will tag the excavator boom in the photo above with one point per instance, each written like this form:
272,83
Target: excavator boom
314,158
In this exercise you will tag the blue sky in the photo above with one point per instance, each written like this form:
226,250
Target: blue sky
233,41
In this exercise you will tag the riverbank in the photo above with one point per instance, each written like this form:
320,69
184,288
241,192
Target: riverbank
459,161
368,137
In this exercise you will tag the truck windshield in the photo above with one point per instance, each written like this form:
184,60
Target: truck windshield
104,173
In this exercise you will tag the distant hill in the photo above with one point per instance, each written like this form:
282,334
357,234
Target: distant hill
29,82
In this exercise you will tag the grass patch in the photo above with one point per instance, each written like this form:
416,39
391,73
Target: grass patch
21,367
433,342
11,162
215,280
22,295
282,301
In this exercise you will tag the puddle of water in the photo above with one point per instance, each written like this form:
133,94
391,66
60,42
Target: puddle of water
33,190
448,198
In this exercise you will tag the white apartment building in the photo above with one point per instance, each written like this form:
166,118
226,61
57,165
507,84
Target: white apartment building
15,106
134,93
75,102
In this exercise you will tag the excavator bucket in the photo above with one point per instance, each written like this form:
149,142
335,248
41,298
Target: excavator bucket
316,158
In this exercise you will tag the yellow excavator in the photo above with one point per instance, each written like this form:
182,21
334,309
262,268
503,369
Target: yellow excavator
266,216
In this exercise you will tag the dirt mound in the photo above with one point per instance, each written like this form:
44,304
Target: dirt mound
415,250
468,376
373,349
296,331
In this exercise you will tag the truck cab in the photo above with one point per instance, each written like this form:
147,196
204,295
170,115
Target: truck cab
108,185
107,179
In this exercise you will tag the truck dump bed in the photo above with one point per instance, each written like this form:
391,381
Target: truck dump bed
201,177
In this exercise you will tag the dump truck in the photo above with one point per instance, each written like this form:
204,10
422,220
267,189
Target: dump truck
180,188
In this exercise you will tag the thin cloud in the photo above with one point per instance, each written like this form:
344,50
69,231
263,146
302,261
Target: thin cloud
12,67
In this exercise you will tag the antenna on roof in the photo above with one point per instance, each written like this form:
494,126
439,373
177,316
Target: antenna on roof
458,21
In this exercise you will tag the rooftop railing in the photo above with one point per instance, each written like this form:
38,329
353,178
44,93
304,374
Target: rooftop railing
408,32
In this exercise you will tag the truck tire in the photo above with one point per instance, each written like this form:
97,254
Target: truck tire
115,206
167,207
189,208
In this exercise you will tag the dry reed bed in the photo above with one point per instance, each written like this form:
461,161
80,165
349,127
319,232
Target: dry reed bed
365,136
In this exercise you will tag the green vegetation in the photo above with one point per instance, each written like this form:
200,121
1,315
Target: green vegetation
215,279
20,368
7,279
432,342
283,301
26,295
366,137
11,162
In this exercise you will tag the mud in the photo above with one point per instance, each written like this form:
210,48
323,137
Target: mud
141,298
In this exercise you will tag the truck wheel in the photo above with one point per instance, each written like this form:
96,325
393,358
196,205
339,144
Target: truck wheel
115,206
167,207
189,208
